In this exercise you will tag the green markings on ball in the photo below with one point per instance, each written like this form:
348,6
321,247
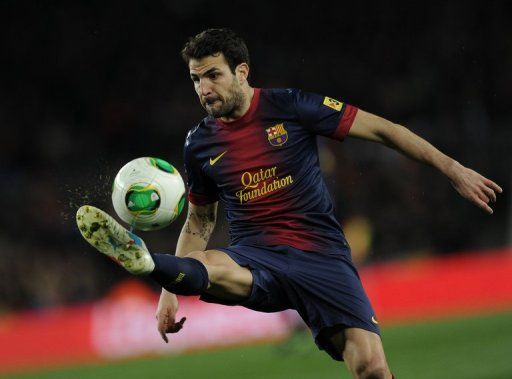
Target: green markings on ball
178,208
142,199
162,165
181,204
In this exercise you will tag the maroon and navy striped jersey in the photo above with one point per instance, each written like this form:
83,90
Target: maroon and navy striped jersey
264,168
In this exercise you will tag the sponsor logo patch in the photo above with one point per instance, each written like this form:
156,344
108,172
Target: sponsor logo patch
333,103
262,182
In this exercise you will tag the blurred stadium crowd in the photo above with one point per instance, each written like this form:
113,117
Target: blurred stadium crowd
87,86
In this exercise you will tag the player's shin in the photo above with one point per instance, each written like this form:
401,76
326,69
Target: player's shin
181,276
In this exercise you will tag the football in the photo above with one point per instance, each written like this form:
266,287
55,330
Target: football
148,193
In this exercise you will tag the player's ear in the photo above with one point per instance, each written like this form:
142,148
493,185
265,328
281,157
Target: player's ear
242,73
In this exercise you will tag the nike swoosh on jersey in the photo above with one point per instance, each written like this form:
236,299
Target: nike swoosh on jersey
214,160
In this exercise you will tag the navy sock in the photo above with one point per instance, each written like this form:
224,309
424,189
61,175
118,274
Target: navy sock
181,276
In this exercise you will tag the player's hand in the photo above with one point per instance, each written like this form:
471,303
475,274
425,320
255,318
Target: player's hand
475,187
166,315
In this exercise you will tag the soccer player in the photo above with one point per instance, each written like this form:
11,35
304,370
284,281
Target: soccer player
256,152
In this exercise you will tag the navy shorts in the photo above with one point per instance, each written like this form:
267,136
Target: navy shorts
325,289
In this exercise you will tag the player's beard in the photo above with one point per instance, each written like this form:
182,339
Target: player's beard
230,104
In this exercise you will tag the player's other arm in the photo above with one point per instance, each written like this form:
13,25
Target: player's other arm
194,236
197,229
470,184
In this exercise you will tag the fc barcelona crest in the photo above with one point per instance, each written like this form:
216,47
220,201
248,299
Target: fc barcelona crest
277,135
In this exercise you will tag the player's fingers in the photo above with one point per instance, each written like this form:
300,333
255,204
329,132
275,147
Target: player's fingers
489,183
162,330
164,322
483,205
164,337
176,327
482,196
489,193
169,326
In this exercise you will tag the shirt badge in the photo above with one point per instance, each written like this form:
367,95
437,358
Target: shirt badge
333,103
277,135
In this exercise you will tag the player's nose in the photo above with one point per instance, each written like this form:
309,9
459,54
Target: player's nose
205,88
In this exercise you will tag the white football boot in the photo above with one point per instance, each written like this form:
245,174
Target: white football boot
115,241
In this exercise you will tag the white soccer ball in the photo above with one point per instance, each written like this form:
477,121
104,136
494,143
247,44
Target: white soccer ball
148,193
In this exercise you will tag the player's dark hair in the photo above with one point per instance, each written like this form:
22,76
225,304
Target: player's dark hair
214,41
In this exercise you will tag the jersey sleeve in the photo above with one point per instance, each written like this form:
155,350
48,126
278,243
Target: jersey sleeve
201,189
323,115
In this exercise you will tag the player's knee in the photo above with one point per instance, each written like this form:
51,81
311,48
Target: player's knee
198,255
202,257
207,262
225,276
218,269
372,368
367,363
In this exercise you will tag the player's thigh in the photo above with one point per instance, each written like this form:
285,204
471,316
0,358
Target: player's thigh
361,349
227,278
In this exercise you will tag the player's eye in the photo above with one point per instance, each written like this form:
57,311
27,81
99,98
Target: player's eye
213,75
195,79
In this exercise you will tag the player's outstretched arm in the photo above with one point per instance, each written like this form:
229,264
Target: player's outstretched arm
194,236
470,184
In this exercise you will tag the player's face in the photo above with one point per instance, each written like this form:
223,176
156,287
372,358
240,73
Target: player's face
218,88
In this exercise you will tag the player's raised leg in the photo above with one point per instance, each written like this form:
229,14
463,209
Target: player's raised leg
361,350
211,271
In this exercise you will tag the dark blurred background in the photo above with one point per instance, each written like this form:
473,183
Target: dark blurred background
86,86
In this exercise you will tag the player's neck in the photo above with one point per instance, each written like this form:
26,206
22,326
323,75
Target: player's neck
248,94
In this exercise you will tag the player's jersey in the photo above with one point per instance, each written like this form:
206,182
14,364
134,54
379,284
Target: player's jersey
264,168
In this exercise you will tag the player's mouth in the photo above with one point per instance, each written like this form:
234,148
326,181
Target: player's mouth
210,100
210,103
